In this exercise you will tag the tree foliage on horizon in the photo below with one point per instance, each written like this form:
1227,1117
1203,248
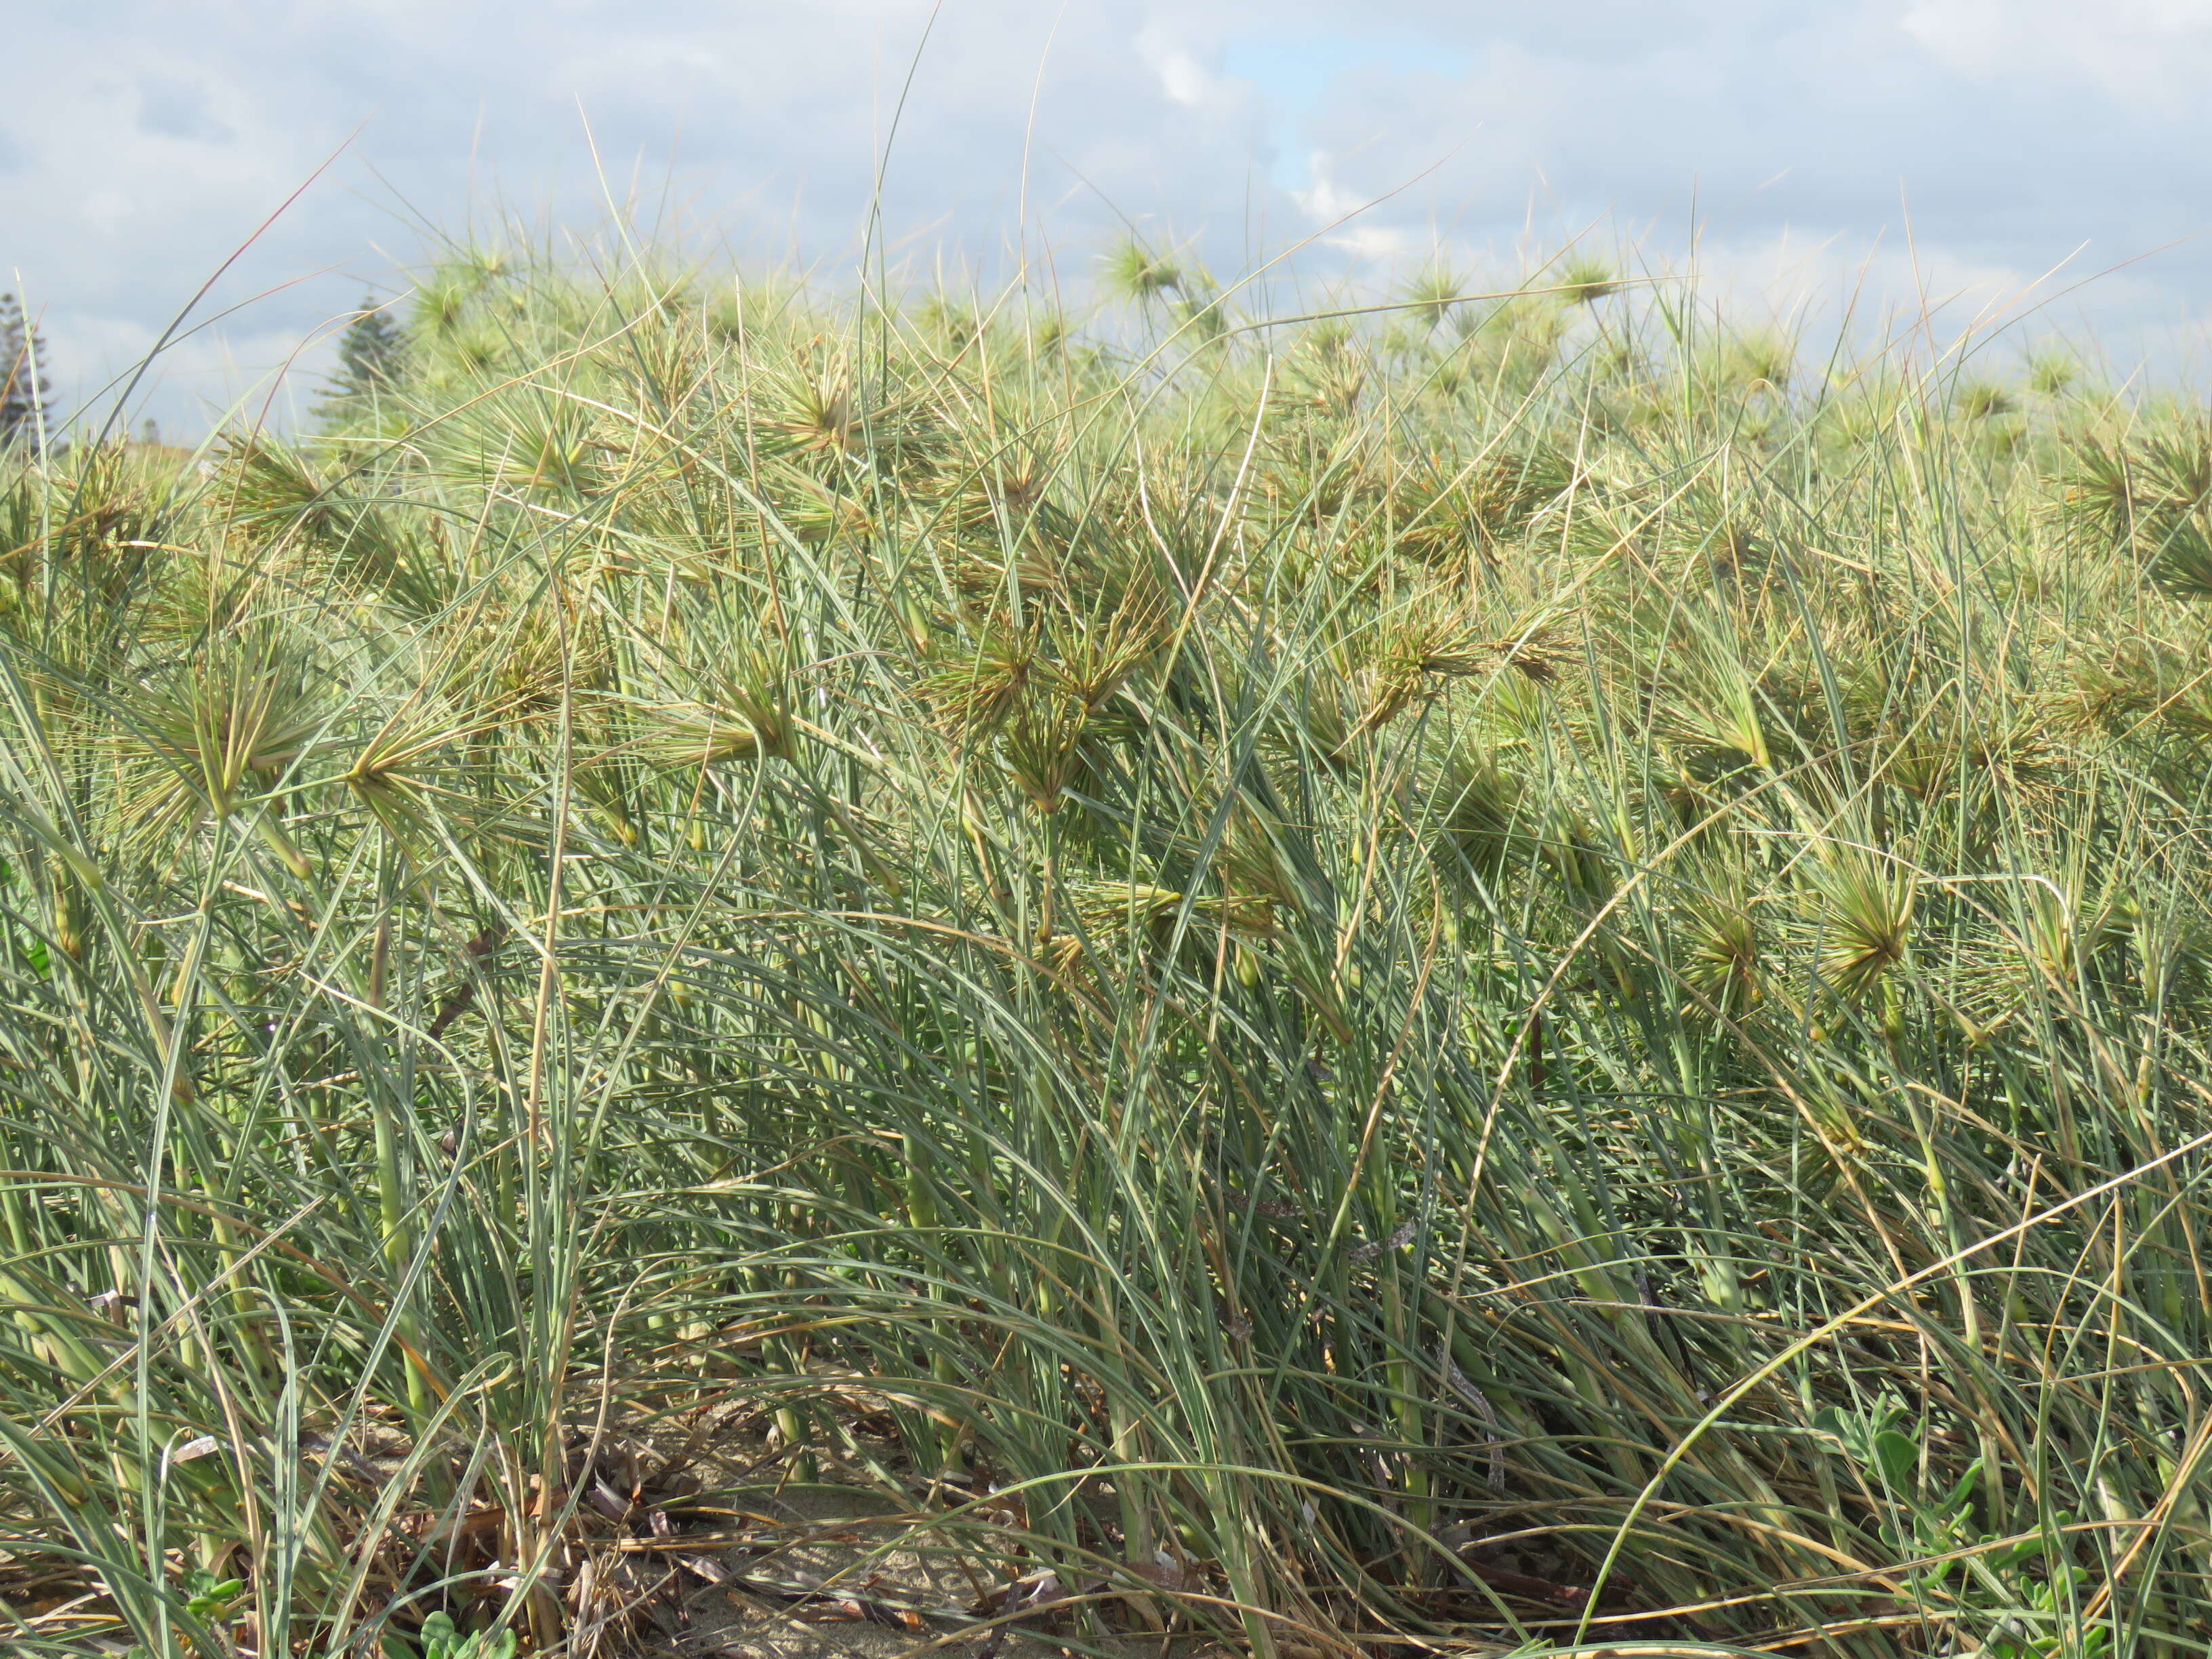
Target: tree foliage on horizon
372,357
26,395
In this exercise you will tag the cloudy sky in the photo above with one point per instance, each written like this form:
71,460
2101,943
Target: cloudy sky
1955,149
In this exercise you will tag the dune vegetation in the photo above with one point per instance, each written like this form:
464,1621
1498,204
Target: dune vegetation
1503,974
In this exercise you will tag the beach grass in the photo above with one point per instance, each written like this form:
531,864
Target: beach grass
1518,974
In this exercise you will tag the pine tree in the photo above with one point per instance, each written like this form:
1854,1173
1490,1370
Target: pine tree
372,356
25,394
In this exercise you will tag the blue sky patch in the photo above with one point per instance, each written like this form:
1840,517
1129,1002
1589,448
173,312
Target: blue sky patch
1293,73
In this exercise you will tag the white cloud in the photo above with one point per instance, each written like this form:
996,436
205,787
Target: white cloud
1181,76
2153,51
1338,213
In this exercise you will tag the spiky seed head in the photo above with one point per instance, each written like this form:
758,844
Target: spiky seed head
1480,813
1432,293
2053,372
1204,319
752,722
977,688
1726,950
1049,335
1982,400
1866,923
1134,272
443,299
1043,746
2181,559
947,323
1586,279
1761,361
818,416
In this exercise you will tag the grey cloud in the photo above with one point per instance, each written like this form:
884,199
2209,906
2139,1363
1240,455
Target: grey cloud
170,108
760,127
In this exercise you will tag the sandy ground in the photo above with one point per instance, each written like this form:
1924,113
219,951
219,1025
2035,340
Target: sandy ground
881,1591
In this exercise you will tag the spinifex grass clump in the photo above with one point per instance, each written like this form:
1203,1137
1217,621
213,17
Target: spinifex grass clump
1506,972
